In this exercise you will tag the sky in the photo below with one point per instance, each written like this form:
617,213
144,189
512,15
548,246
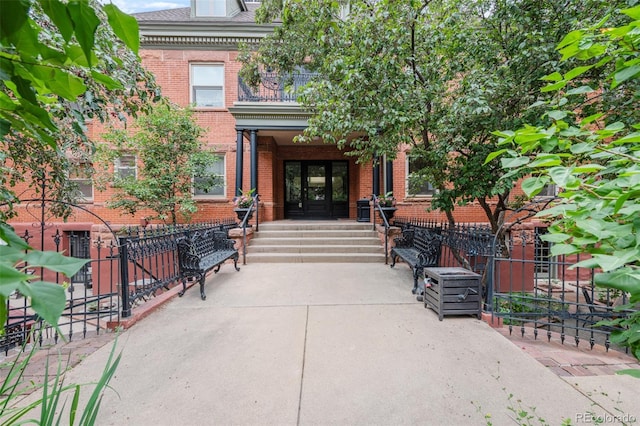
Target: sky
135,6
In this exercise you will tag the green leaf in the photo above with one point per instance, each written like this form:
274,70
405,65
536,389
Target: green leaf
577,71
10,279
631,137
47,299
11,255
611,262
555,237
60,82
623,279
615,127
570,38
588,168
555,86
582,148
557,114
590,119
8,235
108,82
561,175
562,249
124,26
556,76
13,17
55,262
85,23
57,11
633,13
625,74
494,155
580,90
546,160
509,163
533,185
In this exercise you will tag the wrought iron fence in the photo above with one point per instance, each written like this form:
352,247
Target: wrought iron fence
149,259
92,294
535,292
125,270
528,288
274,87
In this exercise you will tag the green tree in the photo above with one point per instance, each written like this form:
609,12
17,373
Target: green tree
56,58
167,142
589,147
59,61
63,63
439,76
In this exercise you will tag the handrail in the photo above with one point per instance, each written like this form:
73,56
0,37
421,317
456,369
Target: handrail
385,222
243,224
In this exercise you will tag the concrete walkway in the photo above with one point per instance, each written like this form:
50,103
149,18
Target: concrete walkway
334,344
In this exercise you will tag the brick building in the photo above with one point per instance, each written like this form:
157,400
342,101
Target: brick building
193,53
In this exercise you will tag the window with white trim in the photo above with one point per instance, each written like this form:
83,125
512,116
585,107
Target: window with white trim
207,8
126,166
417,185
80,175
207,85
214,184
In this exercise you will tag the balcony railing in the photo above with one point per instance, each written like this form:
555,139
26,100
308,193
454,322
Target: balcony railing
273,87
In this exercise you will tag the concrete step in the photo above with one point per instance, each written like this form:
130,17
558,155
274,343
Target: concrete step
291,241
321,249
314,258
316,233
295,225
315,241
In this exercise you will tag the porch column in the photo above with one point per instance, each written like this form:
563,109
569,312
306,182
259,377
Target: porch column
376,175
239,160
389,176
254,159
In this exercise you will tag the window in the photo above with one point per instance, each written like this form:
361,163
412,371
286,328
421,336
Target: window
207,83
213,184
417,185
550,190
210,8
80,175
544,262
125,166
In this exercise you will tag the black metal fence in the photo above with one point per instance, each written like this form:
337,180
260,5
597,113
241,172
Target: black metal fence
149,259
531,290
92,294
125,270
273,87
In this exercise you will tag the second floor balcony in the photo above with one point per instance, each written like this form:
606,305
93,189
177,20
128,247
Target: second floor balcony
273,87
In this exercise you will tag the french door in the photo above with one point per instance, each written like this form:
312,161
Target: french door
316,189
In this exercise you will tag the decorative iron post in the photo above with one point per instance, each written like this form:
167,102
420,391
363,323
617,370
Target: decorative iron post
123,242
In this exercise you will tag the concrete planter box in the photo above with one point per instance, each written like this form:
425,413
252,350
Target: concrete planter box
453,291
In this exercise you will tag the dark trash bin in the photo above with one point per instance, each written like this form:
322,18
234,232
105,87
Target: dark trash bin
364,212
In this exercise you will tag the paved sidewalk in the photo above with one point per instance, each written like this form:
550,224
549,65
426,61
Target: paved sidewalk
341,344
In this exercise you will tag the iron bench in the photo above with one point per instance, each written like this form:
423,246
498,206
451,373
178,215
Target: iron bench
419,248
201,252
